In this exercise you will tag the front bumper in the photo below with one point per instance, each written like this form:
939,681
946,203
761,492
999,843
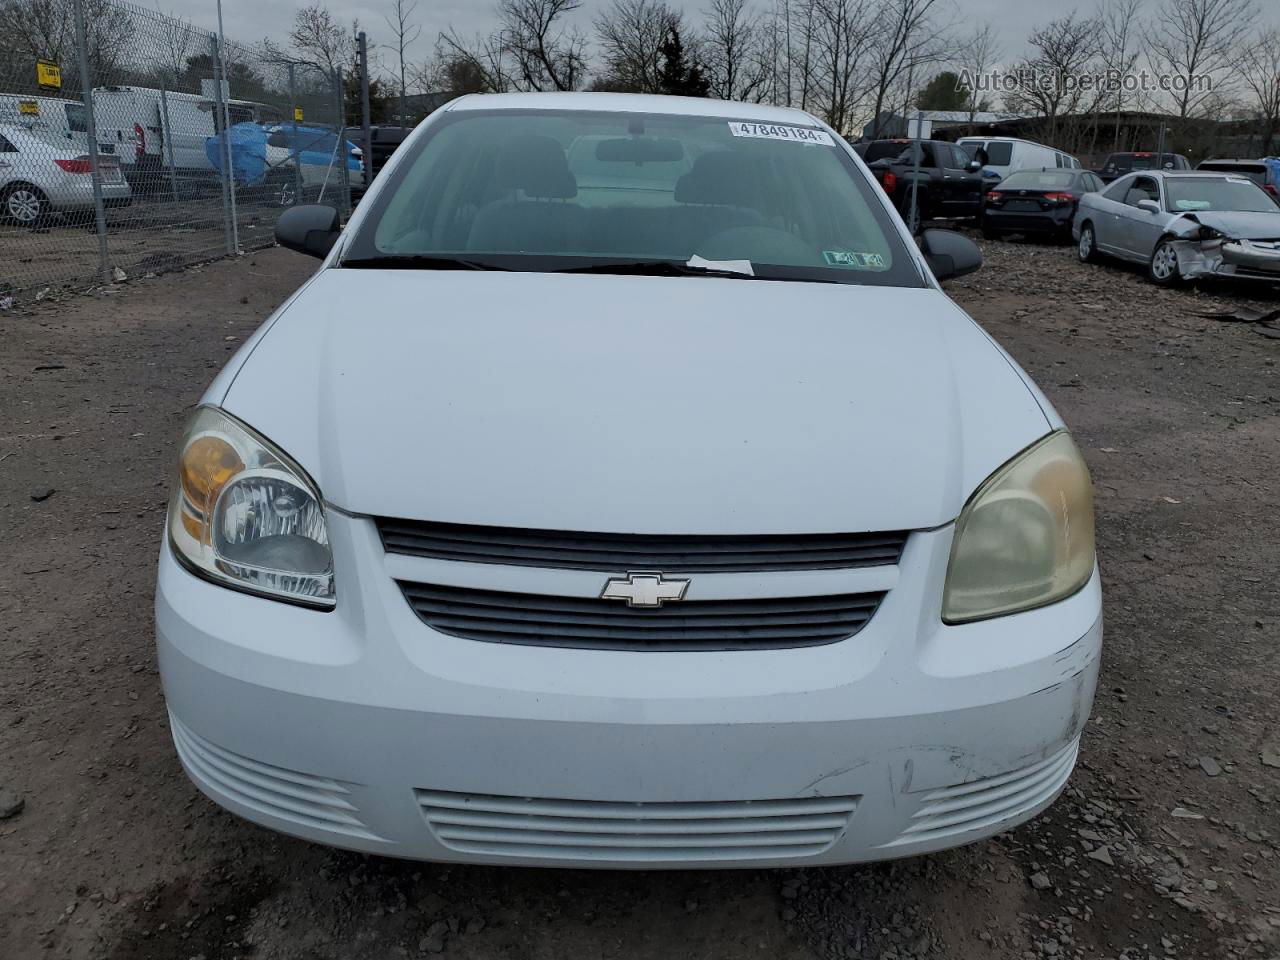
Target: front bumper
363,728
1241,259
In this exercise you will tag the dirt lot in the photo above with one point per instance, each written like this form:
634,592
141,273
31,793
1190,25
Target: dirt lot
1166,844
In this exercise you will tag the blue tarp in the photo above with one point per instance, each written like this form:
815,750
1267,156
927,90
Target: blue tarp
248,152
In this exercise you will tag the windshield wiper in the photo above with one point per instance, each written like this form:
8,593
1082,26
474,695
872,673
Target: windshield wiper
415,261
655,268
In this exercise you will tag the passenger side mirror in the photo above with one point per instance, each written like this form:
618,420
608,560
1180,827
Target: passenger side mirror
1150,206
949,254
312,229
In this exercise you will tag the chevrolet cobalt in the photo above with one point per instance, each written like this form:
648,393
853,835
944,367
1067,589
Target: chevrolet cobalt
623,491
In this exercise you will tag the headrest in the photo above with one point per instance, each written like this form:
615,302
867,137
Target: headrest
536,164
722,177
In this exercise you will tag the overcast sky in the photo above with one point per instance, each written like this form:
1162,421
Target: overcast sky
248,21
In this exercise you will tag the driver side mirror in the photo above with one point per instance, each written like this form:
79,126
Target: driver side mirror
1150,206
949,254
311,228
973,166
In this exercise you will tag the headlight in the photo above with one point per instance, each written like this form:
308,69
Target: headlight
1025,538
244,515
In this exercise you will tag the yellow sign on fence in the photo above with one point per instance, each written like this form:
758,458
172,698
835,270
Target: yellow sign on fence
48,74
29,108
297,114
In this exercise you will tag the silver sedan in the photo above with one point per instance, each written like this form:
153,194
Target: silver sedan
40,176
1183,226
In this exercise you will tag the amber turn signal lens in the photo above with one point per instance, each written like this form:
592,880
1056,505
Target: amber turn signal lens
207,465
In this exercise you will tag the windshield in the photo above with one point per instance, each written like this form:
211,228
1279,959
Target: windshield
1188,194
1026,180
552,190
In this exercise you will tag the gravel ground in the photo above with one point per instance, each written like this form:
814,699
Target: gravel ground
1165,844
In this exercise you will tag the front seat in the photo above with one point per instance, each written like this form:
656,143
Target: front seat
535,217
720,192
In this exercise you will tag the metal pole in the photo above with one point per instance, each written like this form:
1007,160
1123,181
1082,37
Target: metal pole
297,156
225,173
344,175
91,131
915,171
364,108
224,93
1160,149
168,141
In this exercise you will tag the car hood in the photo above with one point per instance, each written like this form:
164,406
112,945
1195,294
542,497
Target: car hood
1240,225
633,404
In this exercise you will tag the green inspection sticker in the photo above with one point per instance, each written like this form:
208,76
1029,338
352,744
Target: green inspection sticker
852,258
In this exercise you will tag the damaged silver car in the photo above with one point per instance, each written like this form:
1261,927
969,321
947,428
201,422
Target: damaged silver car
1183,226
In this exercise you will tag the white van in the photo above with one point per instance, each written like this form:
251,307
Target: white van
155,129
1007,154
52,119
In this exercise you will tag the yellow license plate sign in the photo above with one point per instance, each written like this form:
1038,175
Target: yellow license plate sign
297,114
48,74
29,108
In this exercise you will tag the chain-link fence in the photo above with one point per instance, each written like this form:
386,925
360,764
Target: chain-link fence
133,143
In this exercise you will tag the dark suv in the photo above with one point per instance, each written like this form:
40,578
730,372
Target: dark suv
1118,164
1264,174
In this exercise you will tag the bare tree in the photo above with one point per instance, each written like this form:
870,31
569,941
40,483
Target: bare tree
1191,40
630,35
902,41
1260,73
478,65
1063,50
1120,33
405,33
981,52
176,42
841,33
317,39
46,29
546,55
732,48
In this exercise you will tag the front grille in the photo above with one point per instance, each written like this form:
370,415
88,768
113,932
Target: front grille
619,552
635,832
556,621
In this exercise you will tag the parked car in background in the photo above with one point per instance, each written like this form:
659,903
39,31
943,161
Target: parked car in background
1118,164
1184,226
1005,155
41,176
621,522
1038,202
948,182
318,153
1265,175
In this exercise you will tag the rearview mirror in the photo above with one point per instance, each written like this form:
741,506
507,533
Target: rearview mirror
312,229
640,150
949,254
1149,205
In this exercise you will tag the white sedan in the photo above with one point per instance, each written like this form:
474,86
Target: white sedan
40,176
669,519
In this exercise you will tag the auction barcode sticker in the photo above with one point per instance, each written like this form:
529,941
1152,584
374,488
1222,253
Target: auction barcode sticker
773,131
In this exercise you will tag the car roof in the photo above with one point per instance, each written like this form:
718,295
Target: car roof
632,103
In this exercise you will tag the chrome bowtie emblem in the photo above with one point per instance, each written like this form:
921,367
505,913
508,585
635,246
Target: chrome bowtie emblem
643,589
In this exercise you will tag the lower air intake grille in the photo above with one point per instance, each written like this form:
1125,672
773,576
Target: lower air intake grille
618,552
635,832
310,801
986,803
556,621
